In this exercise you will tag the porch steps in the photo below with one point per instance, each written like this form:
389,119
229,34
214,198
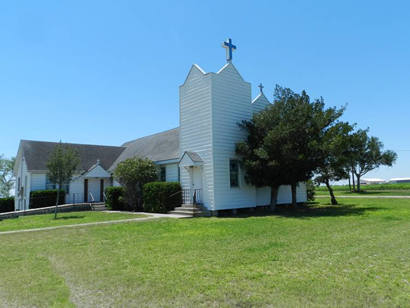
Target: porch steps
98,206
189,210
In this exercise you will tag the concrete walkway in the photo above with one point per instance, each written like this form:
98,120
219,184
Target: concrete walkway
366,197
152,216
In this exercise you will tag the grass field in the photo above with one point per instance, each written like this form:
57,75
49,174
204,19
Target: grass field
365,193
377,187
400,189
353,255
47,220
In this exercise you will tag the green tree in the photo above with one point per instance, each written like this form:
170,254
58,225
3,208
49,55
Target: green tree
61,165
335,165
258,157
366,154
6,175
132,174
283,144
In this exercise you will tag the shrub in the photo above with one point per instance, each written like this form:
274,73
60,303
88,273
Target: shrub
310,190
6,204
161,197
132,174
114,198
44,198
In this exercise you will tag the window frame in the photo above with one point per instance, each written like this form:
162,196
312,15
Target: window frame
163,174
237,172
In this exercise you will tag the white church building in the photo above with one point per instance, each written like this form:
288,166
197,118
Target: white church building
200,153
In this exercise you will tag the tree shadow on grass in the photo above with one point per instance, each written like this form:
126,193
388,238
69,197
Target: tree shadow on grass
70,217
363,192
310,210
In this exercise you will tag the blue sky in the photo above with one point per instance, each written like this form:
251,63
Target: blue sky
105,72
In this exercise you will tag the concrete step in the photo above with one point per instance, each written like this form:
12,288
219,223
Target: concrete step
100,206
188,210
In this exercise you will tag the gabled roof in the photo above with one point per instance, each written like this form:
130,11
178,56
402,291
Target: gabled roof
36,154
158,147
194,156
260,98
189,159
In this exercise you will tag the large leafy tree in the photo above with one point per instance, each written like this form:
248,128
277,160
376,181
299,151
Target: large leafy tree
61,165
6,175
335,164
283,145
132,174
366,153
258,157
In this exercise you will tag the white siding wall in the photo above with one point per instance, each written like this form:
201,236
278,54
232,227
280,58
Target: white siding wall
284,194
22,202
231,102
171,172
76,194
195,128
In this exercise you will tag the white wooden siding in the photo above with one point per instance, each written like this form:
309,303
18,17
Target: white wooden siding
231,103
196,128
22,202
284,194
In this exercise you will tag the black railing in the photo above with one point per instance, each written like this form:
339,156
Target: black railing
191,196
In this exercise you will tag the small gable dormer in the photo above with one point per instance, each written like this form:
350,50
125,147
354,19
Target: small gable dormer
259,103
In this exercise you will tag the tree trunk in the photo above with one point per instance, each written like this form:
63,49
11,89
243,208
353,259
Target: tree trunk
332,195
354,187
58,197
358,182
350,185
273,197
293,188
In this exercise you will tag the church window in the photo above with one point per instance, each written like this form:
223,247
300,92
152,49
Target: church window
51,185
234,172
163,175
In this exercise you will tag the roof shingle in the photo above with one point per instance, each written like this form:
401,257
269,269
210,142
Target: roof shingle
37,153
157,147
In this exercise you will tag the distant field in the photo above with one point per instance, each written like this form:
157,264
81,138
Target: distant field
356,254
402,189
400,186
72,218
397,192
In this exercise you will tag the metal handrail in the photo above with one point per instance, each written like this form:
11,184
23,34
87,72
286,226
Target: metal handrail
191,195
92,197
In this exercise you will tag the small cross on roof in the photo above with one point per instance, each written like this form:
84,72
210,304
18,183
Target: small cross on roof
260,86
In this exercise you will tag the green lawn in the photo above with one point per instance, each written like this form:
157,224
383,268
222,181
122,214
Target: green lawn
47,220
353,255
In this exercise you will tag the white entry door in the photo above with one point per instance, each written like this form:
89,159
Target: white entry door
197,178
197,183
94,190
